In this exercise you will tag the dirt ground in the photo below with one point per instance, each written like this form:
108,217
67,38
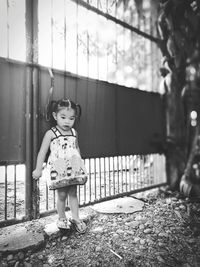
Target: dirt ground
165,233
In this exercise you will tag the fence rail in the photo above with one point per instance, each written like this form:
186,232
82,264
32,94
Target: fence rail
108,178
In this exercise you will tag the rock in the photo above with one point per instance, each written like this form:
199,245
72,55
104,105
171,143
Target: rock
136,239
168,201
147,231
51,229
11,263
10,257
115,236
160,259
133,224
119,231
138,218
142,241
40,257
182,207
20,255
141,226
98,249
64,238
17,264
130,232
20,239
161,244
27,264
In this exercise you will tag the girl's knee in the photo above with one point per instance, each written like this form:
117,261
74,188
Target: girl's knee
62,194
72,191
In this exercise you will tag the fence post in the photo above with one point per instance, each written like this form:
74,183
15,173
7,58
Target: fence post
32,190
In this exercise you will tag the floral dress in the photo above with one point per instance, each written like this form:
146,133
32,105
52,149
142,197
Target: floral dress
65,165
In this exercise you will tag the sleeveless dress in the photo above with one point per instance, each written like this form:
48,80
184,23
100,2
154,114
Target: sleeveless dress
65,165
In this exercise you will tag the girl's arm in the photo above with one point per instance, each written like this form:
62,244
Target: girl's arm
37,173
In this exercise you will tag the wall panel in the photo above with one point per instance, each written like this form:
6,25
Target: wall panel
115,120
12,111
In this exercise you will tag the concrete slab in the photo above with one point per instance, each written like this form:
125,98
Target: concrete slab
119,205
15,238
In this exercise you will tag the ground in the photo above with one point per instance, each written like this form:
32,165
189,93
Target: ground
165,233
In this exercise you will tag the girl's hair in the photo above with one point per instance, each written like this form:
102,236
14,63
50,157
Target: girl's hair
55,106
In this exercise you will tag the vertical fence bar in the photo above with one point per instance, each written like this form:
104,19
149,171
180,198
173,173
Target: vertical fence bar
84,190
34,42
79,193
47,197
52,31
95,180
104,177
8,28
153,169
15,189
35,195
113,175
100,177
117,174
29,135
90,186
126,169
109,171
6,192
31,105
122,170
130,171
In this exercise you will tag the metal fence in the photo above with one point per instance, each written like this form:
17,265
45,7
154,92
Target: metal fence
108,178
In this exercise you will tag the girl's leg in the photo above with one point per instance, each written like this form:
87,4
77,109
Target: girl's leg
73,202
61,202
79,225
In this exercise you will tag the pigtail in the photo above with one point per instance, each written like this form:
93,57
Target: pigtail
49,110
78,111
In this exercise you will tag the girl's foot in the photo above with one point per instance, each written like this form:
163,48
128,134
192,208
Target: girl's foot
63,223
79,226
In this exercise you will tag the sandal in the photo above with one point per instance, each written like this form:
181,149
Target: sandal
79,226
64,224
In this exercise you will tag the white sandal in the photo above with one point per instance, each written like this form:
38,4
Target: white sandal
64,223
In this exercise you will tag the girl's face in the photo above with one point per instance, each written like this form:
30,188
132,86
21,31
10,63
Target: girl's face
65,118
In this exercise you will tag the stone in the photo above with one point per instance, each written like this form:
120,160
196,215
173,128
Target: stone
27,264
20,255
142,241
141,226
64,238
120,205
51,229
133,224
17,264
21,239
98,249
147,231
10,257
119,231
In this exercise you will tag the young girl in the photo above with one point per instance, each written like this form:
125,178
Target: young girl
64,165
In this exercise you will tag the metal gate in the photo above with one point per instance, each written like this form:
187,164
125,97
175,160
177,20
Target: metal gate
121,130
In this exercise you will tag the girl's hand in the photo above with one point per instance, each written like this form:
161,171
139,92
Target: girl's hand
36,174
